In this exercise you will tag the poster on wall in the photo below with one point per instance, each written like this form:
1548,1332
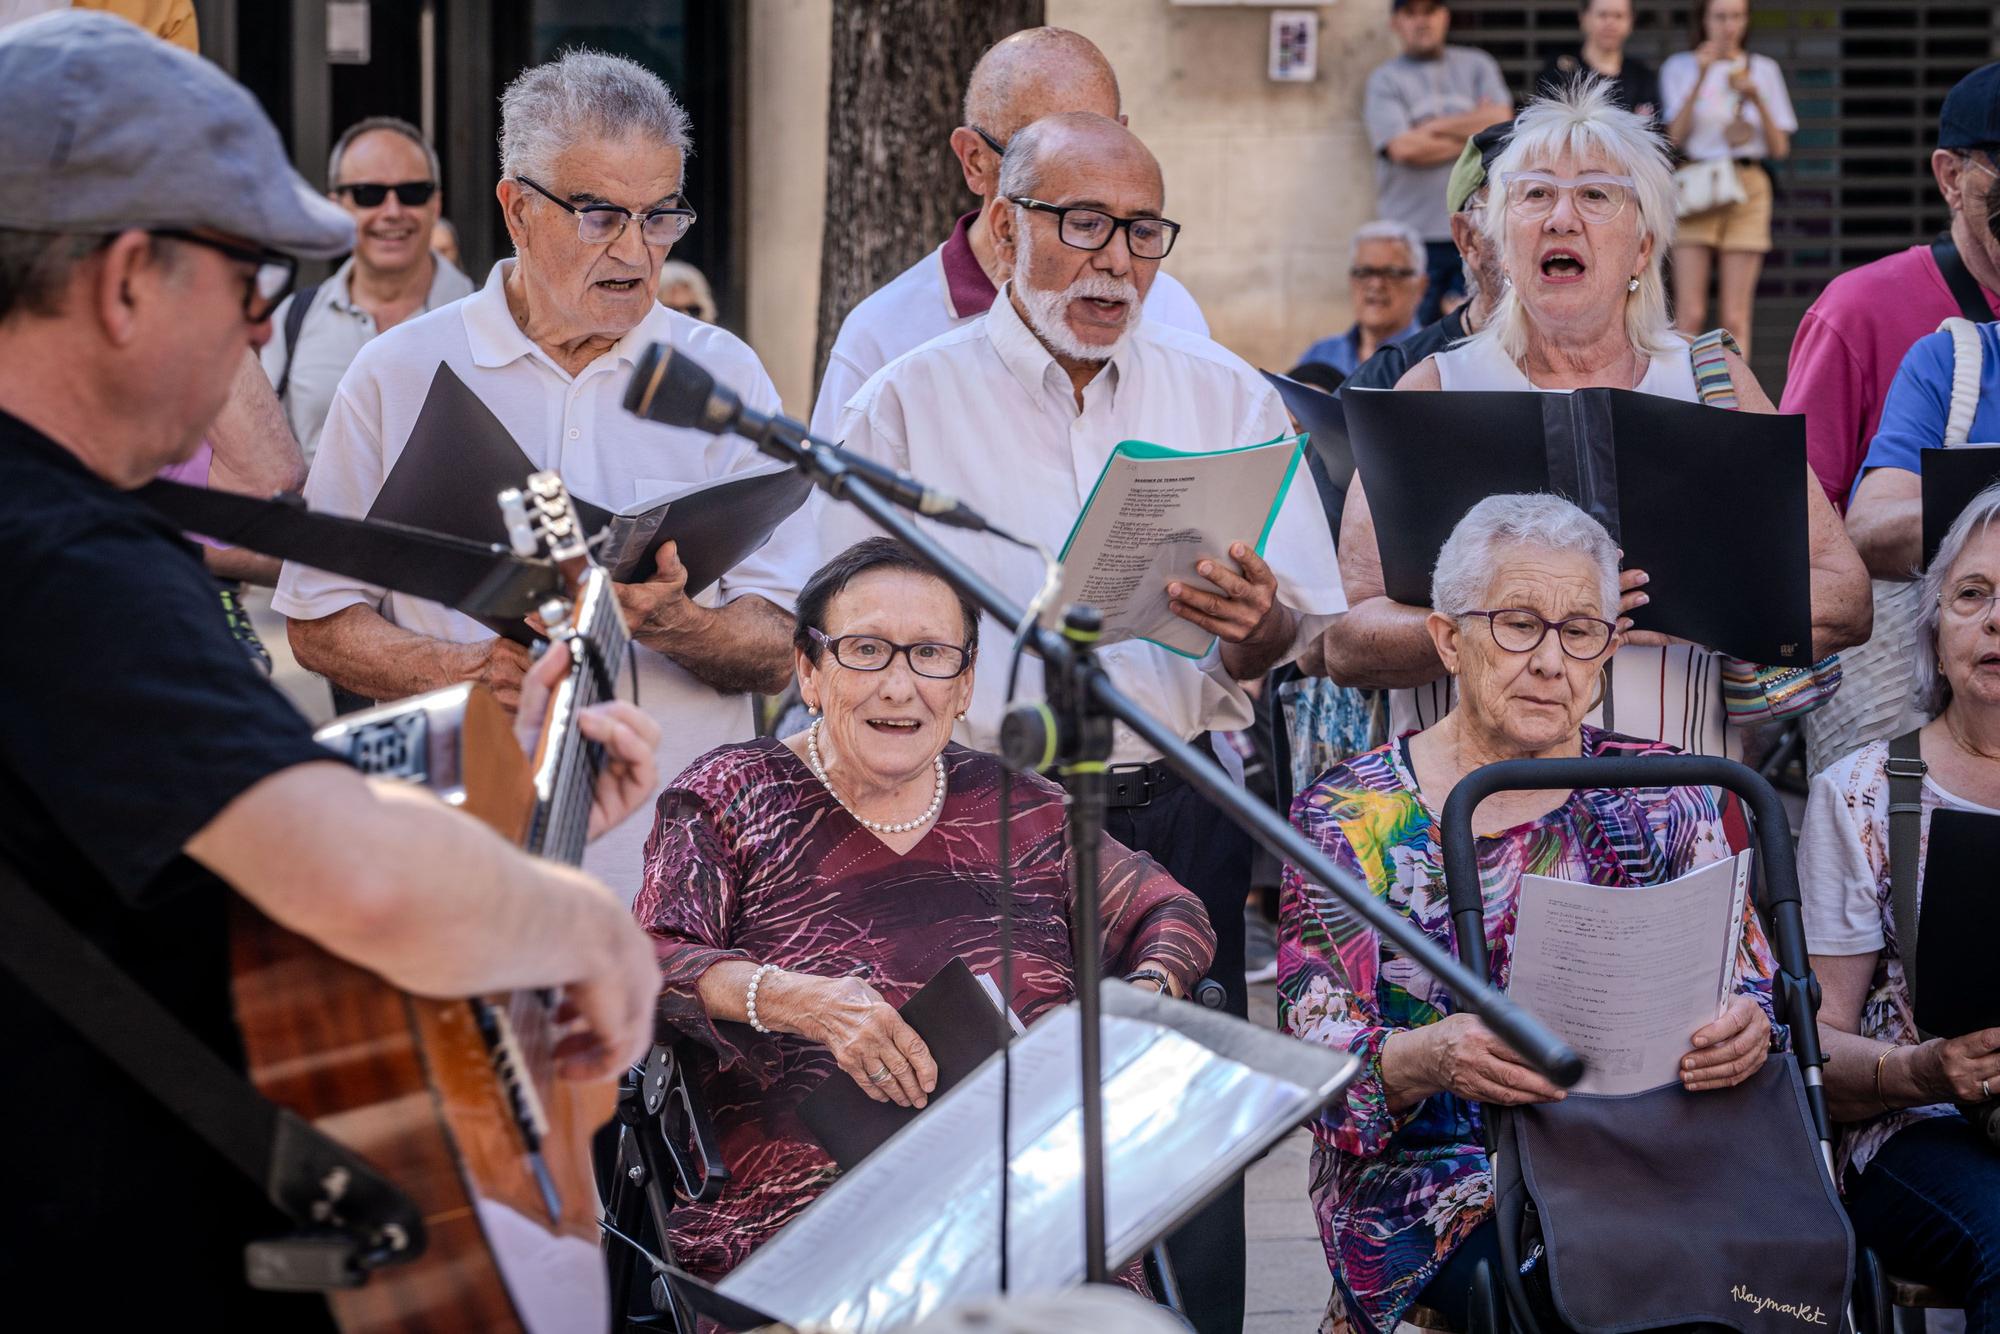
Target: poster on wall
1294,45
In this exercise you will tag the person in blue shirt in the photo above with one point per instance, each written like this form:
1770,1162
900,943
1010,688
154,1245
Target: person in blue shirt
1885,515
1385,284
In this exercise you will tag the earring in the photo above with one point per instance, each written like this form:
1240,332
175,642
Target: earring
1632,283
961,715
813,709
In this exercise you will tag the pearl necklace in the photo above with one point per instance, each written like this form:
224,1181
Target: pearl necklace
879,826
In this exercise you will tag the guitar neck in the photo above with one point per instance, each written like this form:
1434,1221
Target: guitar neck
566,771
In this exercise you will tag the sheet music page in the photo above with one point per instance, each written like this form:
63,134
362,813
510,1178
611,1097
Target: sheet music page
915,1226
1152,514
1626,975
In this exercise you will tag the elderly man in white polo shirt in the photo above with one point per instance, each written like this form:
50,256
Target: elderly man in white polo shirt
1034,73
592,149
1017,412
385,174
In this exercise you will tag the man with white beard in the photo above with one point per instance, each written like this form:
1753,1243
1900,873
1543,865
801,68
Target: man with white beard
1017,413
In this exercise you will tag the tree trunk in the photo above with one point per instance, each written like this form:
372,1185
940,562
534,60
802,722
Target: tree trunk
893,187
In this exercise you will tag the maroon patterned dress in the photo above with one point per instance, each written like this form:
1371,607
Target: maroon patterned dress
751,858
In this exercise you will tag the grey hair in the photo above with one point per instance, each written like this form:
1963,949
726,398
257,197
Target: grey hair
1020,165
1933,690
1581,119
1387,229
552,107
393,124
1466,563
35,267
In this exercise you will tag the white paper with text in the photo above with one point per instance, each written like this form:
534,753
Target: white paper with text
1626,974
1151,516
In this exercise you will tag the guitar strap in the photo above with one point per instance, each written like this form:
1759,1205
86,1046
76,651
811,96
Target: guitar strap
351,1218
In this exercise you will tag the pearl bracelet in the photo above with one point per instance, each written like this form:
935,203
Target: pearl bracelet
750,998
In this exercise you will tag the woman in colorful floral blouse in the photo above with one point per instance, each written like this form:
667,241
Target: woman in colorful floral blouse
799,890
1525,592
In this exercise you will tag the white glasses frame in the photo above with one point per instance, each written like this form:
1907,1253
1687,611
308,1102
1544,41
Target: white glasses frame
1567,185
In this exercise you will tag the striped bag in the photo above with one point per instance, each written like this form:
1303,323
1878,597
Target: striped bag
1752,692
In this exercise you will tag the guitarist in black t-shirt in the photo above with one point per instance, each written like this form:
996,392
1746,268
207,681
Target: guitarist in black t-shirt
146,768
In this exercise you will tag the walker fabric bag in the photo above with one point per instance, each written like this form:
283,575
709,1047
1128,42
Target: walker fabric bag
1673,1208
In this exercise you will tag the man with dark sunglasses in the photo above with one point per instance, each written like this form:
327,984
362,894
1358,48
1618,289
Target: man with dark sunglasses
385,174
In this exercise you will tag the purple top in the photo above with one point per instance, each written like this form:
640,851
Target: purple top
751,858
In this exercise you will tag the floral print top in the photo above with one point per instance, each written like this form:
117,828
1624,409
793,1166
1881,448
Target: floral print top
1397,1191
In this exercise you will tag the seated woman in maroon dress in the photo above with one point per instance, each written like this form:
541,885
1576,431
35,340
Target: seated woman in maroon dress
836,871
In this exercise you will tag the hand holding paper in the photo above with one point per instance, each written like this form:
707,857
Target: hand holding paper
1243,612
1146,551
1728,1051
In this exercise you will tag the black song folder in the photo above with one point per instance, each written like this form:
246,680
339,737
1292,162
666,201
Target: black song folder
1958,925
460,457
1952,478
1710,503
957,1020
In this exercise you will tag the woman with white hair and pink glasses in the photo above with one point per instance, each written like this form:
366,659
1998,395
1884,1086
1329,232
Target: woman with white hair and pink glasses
1581,214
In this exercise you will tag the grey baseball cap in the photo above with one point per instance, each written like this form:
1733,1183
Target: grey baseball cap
107,127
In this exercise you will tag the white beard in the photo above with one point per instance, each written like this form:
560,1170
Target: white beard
1047,310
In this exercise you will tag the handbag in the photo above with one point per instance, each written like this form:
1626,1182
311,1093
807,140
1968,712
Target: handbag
1701,186
1753,692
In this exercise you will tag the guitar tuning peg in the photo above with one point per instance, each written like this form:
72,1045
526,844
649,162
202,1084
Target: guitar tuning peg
520,532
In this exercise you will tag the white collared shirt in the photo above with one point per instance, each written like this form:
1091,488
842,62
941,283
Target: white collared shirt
579,427
916,306
333,334
985,413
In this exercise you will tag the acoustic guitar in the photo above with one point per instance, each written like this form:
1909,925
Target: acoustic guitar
456,1101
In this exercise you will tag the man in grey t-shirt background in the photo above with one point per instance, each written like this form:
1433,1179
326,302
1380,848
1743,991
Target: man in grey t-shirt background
1421,107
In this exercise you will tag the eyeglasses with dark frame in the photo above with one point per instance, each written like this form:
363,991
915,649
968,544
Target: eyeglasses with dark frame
1092,229
999,149
1518,630
1362,273
601,224
265,289
872,653
371,194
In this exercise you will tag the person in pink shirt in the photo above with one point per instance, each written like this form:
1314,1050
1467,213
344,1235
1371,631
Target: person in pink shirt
1855,335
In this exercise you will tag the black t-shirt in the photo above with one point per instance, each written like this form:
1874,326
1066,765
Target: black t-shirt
129,718
1637,87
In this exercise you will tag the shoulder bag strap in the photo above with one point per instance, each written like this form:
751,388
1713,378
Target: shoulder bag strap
1965,288
1906,814
1711,369
1967,360
312,1179
295,320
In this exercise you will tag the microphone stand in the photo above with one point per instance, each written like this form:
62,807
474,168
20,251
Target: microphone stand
1073,732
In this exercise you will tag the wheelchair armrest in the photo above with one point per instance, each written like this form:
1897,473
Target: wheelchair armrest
686,1128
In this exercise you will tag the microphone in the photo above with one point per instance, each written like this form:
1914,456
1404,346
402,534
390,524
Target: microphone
671,388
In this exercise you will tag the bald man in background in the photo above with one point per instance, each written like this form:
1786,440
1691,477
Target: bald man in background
1034,73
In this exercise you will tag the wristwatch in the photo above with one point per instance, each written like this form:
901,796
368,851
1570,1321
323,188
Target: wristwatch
1154,976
